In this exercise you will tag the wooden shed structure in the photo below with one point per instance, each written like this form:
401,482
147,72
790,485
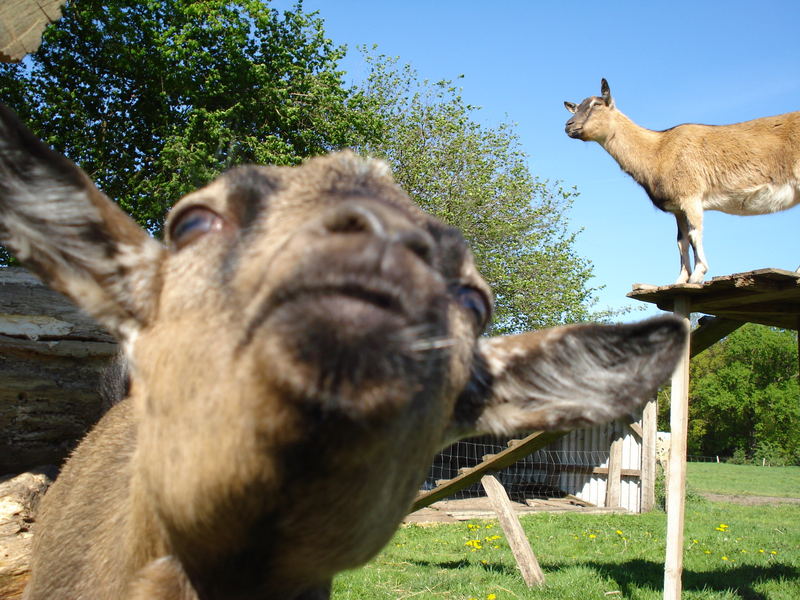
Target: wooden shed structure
765,296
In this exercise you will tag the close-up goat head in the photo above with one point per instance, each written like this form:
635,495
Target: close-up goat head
300,346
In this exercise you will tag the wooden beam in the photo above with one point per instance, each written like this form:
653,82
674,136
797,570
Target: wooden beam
676,485
648,483
528,445
614,480
634,427
710,331
509,521
590,470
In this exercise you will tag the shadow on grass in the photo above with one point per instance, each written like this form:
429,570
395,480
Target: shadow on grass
460,564
638,574
642,574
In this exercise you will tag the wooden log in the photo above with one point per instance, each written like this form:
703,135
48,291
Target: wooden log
51,359
520,546
19,498
22,23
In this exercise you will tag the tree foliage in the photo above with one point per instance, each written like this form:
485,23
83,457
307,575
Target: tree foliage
744,398
477,179
155,98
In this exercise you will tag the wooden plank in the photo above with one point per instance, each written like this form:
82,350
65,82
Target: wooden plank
589,470
520,546
676,485
649,429
766,296
614,480
532,443
710,331
22,23
634,427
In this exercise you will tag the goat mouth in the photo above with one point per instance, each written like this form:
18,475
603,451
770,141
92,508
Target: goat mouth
347,304
382,298
573,132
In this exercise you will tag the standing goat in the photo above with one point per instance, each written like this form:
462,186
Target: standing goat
750,168
300,346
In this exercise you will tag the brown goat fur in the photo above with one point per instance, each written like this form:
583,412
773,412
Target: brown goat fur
749,168
299,348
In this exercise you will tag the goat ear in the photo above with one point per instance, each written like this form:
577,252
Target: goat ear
571,106
605,91
59,224
567,377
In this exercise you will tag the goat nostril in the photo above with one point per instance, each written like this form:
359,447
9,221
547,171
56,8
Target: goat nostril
419,242
354,218
381,223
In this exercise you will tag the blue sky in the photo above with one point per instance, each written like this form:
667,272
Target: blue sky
667,63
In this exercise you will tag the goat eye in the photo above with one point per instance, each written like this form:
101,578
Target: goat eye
475,302
193,224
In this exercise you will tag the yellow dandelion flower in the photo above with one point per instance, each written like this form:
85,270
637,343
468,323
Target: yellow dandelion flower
491,597
619,532
592,536
724,558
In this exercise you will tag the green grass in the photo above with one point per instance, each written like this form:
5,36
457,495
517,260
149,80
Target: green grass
732,552
725,478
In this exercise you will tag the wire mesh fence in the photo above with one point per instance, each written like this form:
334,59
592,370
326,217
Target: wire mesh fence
538,475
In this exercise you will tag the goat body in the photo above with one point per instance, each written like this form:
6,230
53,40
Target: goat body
299,348
749,168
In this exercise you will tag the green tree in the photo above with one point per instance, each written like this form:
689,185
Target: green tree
153,98
744,396
477,179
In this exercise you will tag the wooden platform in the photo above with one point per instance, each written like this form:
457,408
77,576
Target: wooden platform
766,296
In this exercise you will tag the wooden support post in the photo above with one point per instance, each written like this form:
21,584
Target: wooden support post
676,484
614,480
649,431
520,547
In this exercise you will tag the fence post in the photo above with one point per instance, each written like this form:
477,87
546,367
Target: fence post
614,481
676,484
649,431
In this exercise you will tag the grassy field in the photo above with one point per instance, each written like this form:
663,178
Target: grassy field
732,552
751,480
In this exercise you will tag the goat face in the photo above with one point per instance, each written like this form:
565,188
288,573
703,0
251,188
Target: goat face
331,315
590,122
300,347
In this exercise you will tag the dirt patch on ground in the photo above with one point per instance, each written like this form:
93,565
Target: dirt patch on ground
453,511
748,500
